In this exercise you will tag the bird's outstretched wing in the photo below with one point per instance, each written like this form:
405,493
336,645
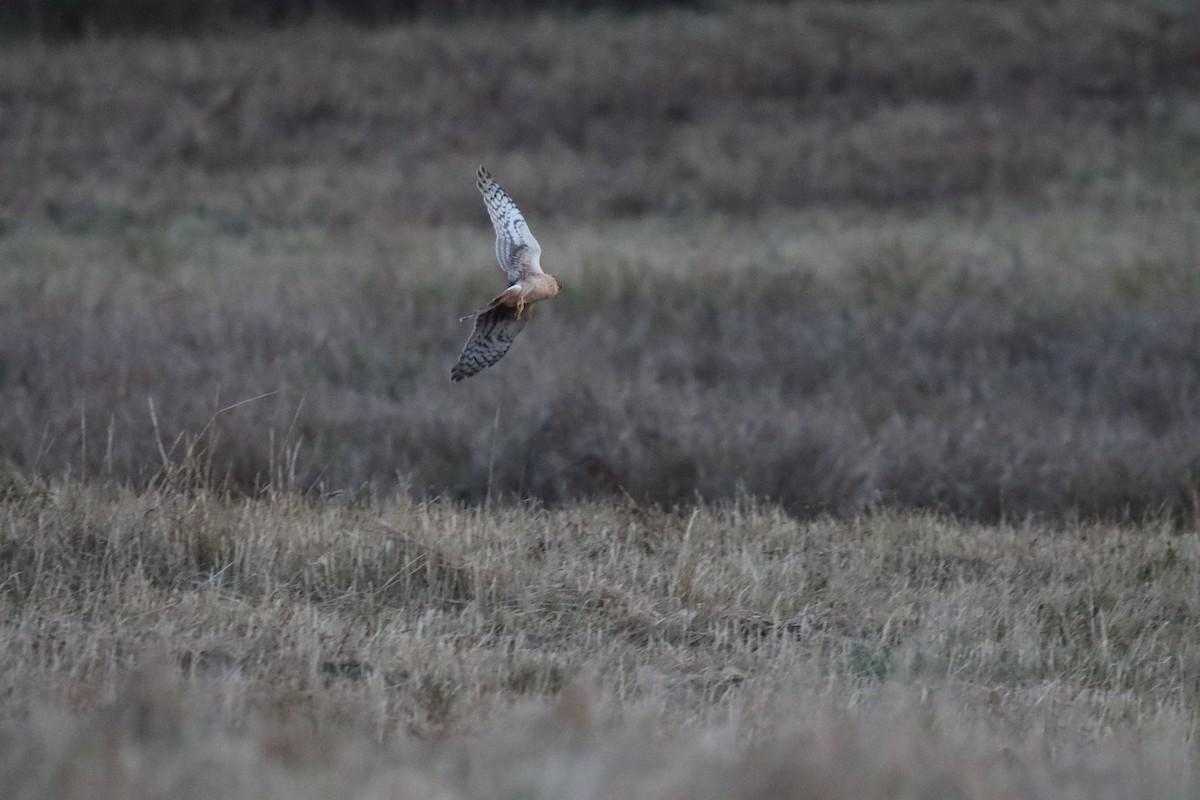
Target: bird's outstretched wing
517,251
494,332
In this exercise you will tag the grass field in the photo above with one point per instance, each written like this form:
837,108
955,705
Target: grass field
860,456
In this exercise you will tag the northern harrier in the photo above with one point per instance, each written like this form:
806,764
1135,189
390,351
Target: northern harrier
519,254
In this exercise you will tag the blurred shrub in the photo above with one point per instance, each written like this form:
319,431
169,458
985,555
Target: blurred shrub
56,19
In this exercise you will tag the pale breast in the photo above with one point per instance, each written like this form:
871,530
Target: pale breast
539,287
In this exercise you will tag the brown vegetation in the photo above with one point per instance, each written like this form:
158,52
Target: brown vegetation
880,258
286,646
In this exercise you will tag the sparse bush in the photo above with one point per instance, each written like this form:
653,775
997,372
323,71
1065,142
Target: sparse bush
877,259
982,411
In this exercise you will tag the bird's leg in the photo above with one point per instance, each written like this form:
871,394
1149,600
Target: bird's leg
520,307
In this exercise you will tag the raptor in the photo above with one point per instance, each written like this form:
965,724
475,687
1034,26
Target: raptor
519,254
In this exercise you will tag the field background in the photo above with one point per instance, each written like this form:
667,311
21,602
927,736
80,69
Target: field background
859,457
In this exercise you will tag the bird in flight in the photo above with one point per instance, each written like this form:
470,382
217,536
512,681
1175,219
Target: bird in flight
519,254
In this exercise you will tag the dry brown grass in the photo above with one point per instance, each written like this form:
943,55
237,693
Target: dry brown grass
373,646
859,457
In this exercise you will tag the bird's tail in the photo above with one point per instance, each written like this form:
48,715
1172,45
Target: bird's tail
505,298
